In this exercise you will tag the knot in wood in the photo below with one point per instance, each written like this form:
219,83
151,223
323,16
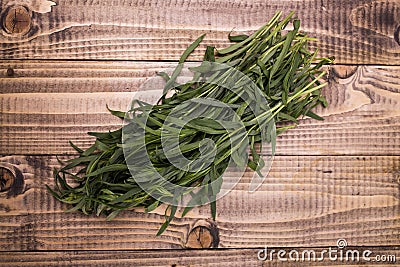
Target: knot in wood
203,235
344,72
10,72
397,35
7,179
11,180
17,20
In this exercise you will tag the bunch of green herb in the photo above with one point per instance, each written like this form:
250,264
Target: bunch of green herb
276,60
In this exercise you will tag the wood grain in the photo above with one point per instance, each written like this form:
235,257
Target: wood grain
179,258
356,32
44,104
305,201
335,179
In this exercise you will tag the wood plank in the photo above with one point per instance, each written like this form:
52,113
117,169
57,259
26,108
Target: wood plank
46,103
356,32
304,200
176,258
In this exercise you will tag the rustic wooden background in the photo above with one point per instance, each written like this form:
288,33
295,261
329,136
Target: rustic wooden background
63,61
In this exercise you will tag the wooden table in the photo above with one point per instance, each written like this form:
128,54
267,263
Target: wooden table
63,61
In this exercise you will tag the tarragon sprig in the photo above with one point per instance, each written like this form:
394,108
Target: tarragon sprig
276,60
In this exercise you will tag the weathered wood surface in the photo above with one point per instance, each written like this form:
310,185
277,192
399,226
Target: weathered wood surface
333,179
305,201
45,104
356,32
179,258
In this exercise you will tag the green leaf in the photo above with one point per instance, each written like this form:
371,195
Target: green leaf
179,68
285,116
237,38
163,227
167,220
75,147
209,55
109,168
186,210
127,195
77,206
113,214
314,116
213,205
164,75
153,206
119,114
